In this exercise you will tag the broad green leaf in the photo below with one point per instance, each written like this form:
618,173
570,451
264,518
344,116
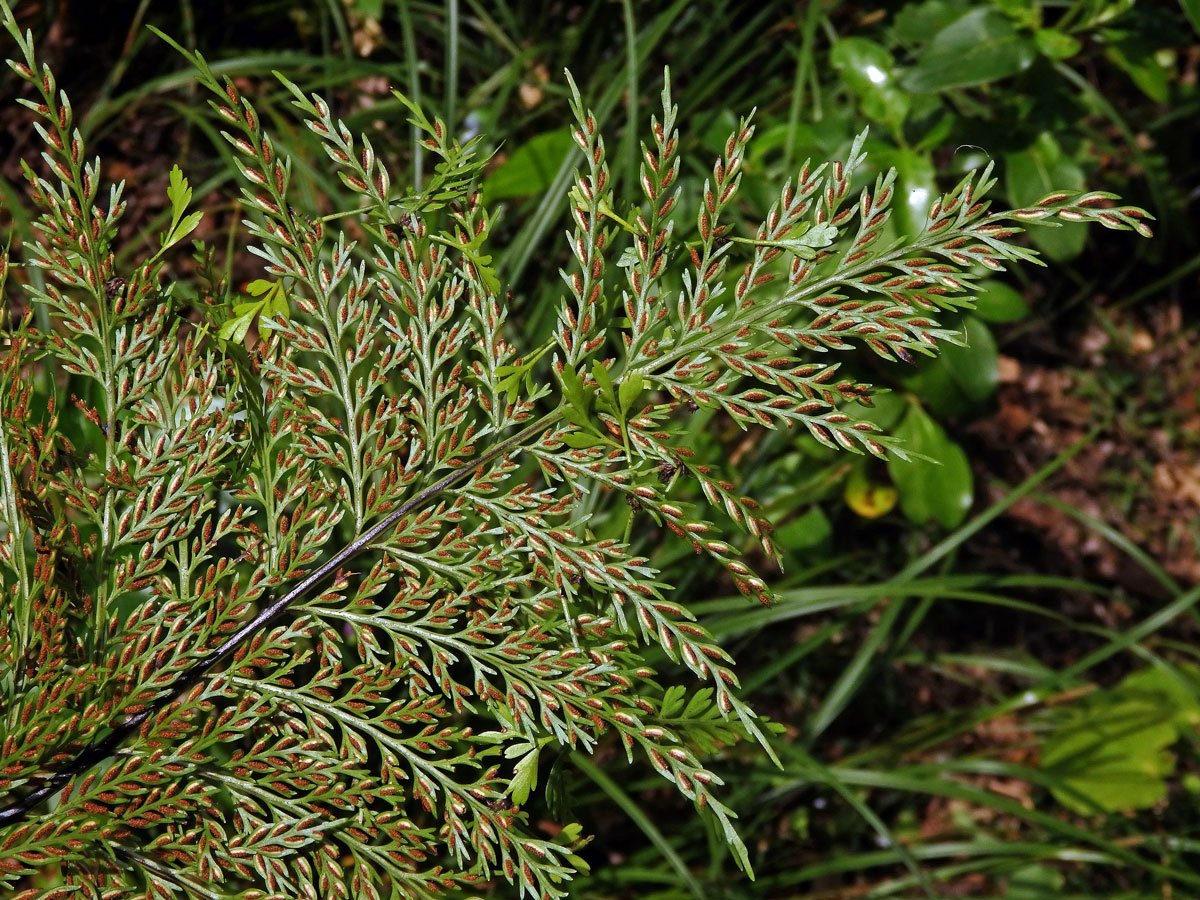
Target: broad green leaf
869,70
271,301
937,134
1000,302
915,23
578,409
580,440
1056,44
937,389
179,193
481,261
510,380
939,488
809,530
1112,750
511,376
963,375
978,47
720,126
699,703
1181,693
512,751
530,168
572,415
916,184
576,394
1025,13
1032,174
487,274
673,701
1111,746
885,410
973,366
186,226
820,140
1100,12
570,833
578,863
274,296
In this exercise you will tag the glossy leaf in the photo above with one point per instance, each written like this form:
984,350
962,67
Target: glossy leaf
1033,173
978,47
916,187
886,409
916,23
868,69
939,488
961,377
530,168
973,366
999,302
809,530
1056,44
934,384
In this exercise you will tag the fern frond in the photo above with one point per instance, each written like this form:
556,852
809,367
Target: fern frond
305,621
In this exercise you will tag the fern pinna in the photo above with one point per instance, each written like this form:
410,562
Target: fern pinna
300,620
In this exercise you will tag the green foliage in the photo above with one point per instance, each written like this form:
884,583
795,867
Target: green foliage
978,46
939,486
180,195
531,168
1109,749
303,618
269,300
953,84
1030,172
